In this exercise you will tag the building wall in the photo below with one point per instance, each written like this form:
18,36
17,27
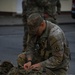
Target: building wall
66,5
8,5
16,6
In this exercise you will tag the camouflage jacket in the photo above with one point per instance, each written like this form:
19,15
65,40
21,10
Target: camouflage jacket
51,48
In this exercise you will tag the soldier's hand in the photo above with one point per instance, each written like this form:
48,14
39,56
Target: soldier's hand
27,66
36,66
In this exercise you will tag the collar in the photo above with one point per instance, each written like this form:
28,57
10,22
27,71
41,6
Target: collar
46,31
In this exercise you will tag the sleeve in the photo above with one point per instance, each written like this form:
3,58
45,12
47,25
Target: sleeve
30,46
57,48
58,4
24,7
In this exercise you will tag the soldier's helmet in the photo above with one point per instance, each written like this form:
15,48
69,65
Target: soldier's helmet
33,21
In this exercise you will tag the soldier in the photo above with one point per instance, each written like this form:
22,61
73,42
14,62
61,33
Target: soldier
45,7
29,7
41,6
50,54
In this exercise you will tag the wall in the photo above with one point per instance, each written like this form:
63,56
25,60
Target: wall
8,5
16,6
66,5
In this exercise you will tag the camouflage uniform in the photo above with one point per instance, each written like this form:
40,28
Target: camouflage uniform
44,7
52,10
29,7
50,49
5,67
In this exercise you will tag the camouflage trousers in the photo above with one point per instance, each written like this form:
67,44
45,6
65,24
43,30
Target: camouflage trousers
21,71
43,71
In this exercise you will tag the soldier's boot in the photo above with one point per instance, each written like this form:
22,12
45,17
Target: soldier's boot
21,60
5,67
